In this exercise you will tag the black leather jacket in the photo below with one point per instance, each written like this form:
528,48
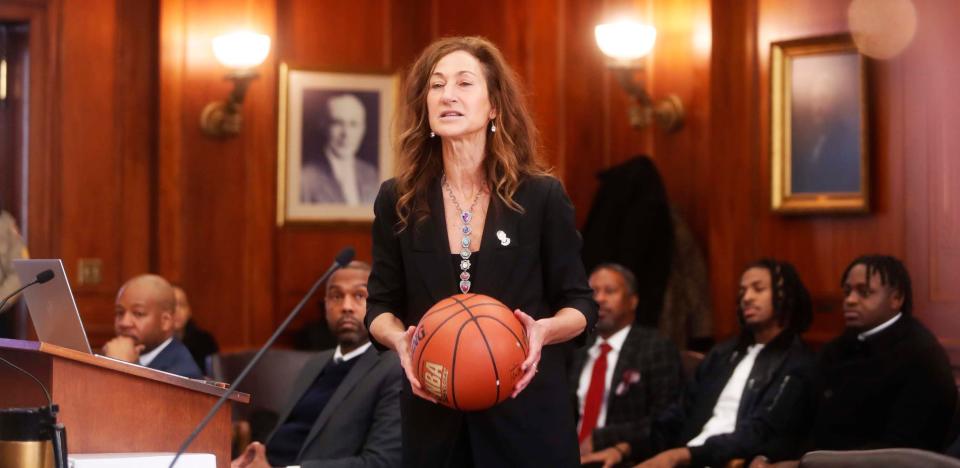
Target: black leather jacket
775,411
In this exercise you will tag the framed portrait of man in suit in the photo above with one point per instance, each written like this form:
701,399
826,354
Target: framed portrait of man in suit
819,126
334,145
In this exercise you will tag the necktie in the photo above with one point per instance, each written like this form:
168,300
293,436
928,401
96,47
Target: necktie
591,407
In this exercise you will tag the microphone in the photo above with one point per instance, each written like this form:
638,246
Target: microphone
341,260
42,277
58,433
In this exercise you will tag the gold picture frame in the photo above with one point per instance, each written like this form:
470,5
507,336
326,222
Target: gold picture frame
819,126
333,144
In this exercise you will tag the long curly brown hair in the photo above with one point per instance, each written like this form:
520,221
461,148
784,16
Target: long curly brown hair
511,151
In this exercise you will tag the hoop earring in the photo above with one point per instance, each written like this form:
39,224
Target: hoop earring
432,134
493,127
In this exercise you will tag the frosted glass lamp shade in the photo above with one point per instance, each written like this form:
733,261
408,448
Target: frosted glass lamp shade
241,49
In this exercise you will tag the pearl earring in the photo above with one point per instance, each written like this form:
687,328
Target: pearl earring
432,134
493,128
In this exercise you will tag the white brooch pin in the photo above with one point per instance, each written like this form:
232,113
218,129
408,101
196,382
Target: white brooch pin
504,240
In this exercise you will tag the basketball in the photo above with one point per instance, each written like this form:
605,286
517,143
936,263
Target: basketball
467,351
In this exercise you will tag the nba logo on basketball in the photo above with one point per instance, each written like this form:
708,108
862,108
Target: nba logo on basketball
417,336
435,377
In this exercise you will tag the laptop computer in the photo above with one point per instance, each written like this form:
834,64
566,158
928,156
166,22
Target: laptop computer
52,308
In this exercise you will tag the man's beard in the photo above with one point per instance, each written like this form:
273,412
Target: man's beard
351,337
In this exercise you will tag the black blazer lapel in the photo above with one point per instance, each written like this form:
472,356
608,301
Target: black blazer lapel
431,249
499,255
625,360
366,362
304,380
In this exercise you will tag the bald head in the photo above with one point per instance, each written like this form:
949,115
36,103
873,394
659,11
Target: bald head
144,310
345,126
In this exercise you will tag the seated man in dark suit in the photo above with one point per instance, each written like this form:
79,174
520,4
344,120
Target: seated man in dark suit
143,321
199,341
752,394
627,375
886,381
344,408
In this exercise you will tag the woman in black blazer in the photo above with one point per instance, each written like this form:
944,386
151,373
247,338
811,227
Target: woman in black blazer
473,210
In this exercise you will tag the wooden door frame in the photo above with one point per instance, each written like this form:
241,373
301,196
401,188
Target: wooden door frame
43,149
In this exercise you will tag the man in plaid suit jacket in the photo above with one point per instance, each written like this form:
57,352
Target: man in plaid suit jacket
642,374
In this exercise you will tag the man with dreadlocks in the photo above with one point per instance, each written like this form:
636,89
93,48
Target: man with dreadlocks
752,394
886,379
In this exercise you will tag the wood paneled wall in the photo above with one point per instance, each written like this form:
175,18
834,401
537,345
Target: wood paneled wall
215,196
579,107
910,107
120,170
922,111
91,144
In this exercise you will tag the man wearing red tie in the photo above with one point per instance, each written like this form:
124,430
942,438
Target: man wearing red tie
627,375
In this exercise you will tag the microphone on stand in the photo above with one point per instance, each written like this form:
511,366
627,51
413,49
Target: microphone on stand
47,421
342,259
43,419
42,277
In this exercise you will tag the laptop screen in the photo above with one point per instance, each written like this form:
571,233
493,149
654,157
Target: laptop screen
52,308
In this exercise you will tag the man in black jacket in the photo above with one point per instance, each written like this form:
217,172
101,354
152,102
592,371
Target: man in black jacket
199,341
886,381
344,407
751,394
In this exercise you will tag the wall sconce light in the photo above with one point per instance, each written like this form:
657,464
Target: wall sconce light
241,52
626,43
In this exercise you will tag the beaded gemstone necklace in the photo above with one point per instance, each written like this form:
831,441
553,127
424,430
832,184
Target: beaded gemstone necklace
465,217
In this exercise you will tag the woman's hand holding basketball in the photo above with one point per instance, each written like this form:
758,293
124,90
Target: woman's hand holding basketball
536,332
401,343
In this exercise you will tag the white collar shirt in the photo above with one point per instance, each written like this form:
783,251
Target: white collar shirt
724,419
616,344
339,357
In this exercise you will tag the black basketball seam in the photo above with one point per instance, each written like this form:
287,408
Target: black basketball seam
431,312
495,304
493,360
453,366
423,346
523,345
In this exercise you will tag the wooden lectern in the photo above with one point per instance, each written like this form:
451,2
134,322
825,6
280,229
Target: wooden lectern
113,406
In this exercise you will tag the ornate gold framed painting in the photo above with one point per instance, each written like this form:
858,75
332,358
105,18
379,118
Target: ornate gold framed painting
333,144
819,126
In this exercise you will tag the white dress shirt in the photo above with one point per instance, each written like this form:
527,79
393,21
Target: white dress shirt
616,344
724,420
338,355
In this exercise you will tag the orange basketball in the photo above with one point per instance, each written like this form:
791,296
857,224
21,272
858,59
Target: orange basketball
467,351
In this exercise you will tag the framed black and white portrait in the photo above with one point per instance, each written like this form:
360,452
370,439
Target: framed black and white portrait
334,145
819,126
